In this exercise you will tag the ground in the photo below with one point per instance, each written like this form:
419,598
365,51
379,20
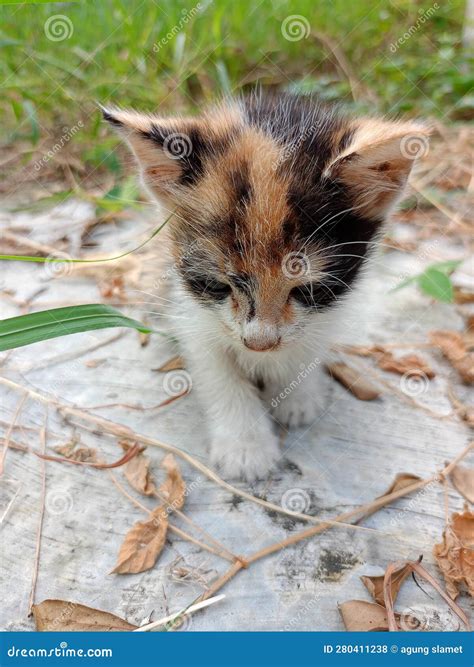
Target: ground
348,457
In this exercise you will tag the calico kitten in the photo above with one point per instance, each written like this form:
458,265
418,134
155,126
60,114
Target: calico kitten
278,203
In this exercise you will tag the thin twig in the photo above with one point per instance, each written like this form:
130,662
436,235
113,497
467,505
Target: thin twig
123,431
314,530
196,526
40,522
133,451
174,529
9,432
183,612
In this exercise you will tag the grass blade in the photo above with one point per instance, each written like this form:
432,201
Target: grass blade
46,324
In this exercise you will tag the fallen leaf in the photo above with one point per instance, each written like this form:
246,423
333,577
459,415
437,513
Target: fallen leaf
453,346
455,554
461,296
408,363
463,481
174,364
362,616
71,451
353,381
173,488
63,616
137,472
143,544
93,363
375,584
401,481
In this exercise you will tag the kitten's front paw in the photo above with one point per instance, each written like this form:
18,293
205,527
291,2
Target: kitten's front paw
295,410
249,457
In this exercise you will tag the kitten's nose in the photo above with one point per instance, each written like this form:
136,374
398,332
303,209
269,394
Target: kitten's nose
261,345
259,336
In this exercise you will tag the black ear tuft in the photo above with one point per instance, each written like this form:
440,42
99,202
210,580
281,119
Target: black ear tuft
109,117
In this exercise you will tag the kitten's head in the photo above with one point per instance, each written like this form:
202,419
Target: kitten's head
277,203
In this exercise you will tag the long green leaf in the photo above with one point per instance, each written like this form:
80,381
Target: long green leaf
48,260
35,327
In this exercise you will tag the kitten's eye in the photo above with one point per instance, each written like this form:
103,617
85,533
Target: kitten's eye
303,294
210,287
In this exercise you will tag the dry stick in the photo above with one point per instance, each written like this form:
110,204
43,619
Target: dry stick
422,572
40,523
192,523
120,430
314,530
9,432
28,243
174,529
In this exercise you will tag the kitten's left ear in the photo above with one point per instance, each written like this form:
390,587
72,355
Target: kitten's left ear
377,162
169,151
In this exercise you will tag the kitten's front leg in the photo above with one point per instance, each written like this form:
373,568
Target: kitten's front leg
298,399
242,440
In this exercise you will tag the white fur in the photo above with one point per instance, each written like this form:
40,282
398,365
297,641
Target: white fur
225,374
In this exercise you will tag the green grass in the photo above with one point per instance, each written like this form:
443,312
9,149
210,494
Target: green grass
226,46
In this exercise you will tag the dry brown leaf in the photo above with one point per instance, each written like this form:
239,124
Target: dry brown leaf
362,616
455,554
353,381
173,488
401,481
143,544
71,451
375,584
61,615
408,363
461,296
173,364
137,472
453,346
463,481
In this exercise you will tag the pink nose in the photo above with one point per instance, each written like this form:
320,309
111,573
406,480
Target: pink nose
261,344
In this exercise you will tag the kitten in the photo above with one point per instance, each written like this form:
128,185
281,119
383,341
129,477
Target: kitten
278,204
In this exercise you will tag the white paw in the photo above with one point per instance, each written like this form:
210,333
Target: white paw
295,410
251,456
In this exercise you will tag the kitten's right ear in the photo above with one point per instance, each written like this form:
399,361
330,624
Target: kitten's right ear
167,150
